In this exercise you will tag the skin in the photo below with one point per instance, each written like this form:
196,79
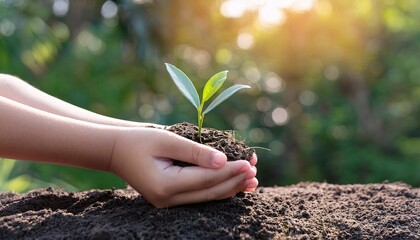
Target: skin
36,126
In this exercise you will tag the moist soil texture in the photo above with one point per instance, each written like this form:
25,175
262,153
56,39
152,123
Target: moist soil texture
223,141
302,211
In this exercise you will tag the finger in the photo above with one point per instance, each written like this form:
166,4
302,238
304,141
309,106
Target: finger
194,178
222,190
254,169
153,125
254,159
251,185
179,148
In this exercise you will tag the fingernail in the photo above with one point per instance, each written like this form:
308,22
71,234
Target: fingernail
218,159
251,183
249,190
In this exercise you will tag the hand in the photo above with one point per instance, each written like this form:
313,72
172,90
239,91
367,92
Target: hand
144,158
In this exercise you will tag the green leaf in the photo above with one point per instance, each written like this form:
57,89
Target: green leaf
214,84
223,96
184,84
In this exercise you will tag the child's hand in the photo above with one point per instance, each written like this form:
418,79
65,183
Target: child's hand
144,158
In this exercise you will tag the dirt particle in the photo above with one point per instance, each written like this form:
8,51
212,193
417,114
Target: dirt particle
306,215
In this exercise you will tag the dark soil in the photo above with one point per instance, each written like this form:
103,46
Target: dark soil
223,141
303,211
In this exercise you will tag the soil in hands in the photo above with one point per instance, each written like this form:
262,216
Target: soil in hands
223,141
302,211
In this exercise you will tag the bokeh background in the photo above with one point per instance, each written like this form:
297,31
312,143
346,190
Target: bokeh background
335,84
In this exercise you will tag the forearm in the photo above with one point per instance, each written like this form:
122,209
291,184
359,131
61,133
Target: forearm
27,133
19,91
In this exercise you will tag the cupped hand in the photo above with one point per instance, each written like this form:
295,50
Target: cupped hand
144,158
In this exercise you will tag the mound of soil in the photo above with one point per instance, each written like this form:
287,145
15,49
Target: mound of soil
302,211
223,141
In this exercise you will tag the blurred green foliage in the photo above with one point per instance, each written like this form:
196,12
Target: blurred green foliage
335,84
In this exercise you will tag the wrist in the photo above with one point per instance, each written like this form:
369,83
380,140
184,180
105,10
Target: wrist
125,148
116,151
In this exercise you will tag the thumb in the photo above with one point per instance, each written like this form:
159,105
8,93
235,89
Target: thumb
175,147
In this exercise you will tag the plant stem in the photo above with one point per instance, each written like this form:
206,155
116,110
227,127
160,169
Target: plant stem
200,126
200,119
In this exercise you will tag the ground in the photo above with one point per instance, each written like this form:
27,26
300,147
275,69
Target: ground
302,211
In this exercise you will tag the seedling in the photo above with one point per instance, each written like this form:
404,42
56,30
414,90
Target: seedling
187,88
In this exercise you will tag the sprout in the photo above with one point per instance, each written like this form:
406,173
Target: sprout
187,88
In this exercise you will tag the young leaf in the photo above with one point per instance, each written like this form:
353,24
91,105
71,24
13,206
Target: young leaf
214,84
223,96
184,84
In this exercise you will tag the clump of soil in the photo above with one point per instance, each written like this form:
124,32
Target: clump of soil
223,141
302,211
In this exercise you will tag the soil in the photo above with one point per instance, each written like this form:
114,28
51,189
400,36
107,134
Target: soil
223,141
302,211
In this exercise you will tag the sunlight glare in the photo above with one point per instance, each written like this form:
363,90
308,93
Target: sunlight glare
302,5
273,83
280,4
269,16
232,8
60,7
280,116
252,74
109,9
245,40
256,135
270,12
242,122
